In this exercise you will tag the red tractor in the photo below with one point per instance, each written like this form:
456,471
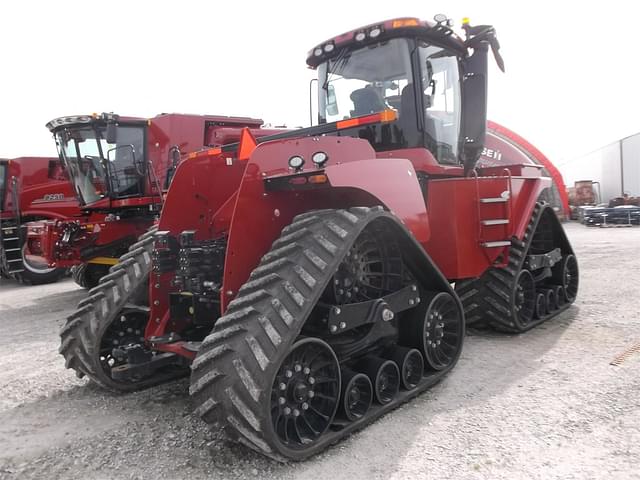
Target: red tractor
119,168
316,279
31,188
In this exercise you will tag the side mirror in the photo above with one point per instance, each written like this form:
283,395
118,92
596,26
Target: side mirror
474,106
332,102
112,133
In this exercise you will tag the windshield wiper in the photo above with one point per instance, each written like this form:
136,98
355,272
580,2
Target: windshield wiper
338,63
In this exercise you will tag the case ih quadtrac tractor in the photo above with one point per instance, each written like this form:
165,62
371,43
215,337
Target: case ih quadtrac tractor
31,188
119,167
315,279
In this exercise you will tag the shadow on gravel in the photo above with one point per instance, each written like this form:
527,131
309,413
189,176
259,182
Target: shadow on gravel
160,419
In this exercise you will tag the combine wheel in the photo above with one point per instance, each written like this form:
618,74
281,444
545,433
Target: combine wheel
88,275
357,395
280,339
108,321
35,273
305,393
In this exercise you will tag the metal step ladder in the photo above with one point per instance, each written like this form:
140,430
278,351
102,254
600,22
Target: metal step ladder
11,246
486,225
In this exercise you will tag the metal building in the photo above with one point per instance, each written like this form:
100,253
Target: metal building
616,166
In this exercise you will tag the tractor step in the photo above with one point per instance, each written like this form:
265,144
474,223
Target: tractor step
494,200
496,221
497,243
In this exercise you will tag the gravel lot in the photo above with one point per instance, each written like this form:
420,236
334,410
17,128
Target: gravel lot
543,405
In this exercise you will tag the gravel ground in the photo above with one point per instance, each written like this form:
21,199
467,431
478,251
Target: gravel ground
543,405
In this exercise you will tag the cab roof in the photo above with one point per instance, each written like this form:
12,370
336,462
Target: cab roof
435,32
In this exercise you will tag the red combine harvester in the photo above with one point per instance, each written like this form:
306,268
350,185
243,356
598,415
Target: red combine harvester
315,279
31,188
119,167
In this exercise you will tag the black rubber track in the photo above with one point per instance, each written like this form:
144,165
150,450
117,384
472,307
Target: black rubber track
487,299
233,373
88,275
81,334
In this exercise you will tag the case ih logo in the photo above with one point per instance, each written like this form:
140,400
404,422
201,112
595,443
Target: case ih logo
53,197
490,153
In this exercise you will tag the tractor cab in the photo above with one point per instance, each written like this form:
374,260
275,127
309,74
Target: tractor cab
104,156
420,74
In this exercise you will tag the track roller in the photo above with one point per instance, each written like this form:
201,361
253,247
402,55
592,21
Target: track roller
411,366
384,375
560,295
357,395
552,300
541,306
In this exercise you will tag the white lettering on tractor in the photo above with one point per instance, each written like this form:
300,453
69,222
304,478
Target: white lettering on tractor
490,153
52,197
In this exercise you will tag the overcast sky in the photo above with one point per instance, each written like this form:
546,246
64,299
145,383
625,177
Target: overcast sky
572,78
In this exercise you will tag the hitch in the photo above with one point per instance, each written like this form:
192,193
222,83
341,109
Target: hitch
142,363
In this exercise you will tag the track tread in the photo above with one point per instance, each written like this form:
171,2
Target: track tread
270,323
100,307
489,296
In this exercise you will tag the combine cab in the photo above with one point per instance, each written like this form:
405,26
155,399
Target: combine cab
307,278
31,188
119,168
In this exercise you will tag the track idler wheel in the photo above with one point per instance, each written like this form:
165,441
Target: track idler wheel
305,394
436,330
411,366
357,395
567,275
385,377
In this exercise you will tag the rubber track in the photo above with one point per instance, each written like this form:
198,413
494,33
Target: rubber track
232,374
78,335
486,300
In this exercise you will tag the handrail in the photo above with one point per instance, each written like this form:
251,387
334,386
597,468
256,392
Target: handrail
510,190
474,174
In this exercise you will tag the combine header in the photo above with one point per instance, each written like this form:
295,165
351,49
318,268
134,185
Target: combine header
315,279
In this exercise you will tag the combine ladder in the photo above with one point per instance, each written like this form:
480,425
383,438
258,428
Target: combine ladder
486,225
11,246
10,241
